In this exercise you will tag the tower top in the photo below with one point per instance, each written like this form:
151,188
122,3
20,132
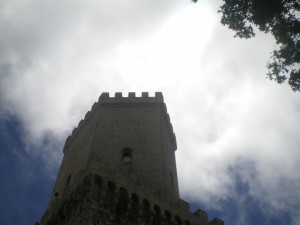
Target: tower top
105,98
129,101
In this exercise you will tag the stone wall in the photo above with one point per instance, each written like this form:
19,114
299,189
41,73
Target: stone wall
119,168
98,202
140,124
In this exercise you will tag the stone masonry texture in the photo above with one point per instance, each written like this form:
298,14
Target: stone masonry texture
119,168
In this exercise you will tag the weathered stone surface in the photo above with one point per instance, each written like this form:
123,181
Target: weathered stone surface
119,168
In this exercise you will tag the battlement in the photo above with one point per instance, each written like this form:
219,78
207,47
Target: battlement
132,98
119,99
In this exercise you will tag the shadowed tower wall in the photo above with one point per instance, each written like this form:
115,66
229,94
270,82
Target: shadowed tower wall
119,167
128,140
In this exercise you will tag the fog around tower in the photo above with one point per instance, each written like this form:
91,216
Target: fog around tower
237,132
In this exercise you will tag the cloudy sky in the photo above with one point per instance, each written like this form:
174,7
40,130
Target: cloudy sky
238,137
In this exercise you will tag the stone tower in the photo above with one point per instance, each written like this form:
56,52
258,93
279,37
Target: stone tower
119,168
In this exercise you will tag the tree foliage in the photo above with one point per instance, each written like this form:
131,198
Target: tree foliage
281,18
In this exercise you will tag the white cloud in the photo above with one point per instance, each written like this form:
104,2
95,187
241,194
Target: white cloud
53,56
57,58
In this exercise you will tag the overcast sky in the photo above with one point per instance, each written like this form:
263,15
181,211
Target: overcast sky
237,132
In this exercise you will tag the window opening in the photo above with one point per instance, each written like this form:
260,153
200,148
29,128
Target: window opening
127,155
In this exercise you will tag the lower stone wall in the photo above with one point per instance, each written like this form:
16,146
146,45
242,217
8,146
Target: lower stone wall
99,202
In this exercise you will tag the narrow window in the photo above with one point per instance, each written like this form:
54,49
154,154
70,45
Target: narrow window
127,155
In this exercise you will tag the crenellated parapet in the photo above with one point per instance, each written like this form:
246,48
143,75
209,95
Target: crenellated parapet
132,98
119,99
106,203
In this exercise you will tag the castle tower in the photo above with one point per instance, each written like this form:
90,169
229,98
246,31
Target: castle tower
119,167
